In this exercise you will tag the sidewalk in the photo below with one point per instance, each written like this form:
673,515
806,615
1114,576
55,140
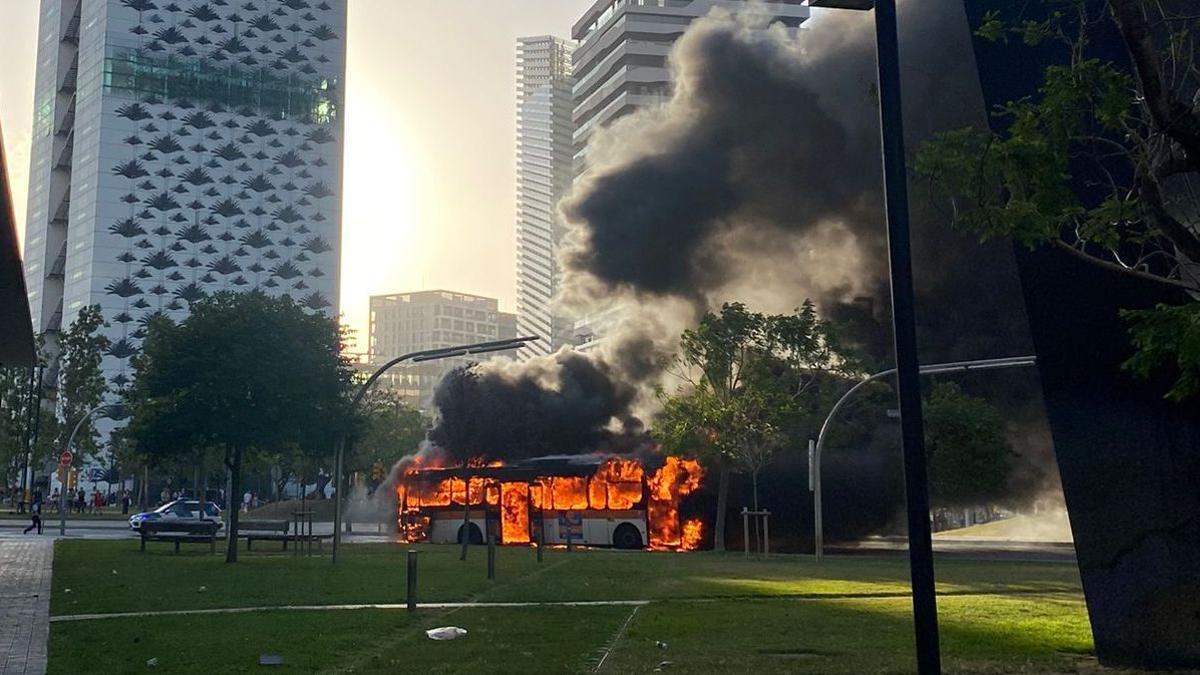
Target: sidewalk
24,604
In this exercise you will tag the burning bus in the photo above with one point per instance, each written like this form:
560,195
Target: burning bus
596,500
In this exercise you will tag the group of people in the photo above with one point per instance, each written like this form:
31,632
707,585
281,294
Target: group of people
81,502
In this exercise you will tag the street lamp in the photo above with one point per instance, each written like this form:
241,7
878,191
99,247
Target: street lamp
816,449
912,434
114,411
415,357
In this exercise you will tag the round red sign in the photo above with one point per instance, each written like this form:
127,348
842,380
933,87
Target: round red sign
65,458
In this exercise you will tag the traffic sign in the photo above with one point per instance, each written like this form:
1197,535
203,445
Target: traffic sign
65,458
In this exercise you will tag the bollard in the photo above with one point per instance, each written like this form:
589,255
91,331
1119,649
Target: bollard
766,532
538,539
410,594
746,530
491,556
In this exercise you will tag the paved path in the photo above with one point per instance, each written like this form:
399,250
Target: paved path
24,604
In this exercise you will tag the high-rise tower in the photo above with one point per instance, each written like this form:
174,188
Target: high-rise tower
183,147
544,150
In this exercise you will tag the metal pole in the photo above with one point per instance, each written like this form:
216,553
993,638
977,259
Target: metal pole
920,544
491,557
410,595
766,534
818,512
746,530
62,513
337,493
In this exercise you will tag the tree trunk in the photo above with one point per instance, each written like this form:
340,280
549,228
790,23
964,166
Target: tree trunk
722,502
235,489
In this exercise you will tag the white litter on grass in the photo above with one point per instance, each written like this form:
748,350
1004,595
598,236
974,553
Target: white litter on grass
203,588
114,572
446,633
152,662
660,644
66,590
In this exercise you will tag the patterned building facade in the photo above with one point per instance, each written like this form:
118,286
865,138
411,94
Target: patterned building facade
183,148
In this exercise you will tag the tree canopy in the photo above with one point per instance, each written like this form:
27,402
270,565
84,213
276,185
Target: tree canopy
1101,162
244,372
748,376
969,459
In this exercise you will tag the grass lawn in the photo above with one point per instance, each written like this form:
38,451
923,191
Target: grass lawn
716,613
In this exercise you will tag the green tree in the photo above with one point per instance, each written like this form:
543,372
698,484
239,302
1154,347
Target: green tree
969,459
747,375
390,429
81,383
244,373
1133,131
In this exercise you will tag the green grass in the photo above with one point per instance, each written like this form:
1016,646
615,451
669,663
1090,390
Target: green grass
717,613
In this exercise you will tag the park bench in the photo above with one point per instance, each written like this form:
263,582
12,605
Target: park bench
180,532
264,530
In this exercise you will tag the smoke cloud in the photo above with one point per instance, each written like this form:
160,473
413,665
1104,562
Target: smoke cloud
760,181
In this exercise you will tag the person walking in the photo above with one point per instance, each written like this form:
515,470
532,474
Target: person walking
125,499
35,513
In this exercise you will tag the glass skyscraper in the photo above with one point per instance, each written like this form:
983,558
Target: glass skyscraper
181,148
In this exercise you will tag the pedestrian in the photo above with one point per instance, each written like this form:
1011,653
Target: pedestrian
80,501
246,501
97,501
164,496
125,499
35,513
54,500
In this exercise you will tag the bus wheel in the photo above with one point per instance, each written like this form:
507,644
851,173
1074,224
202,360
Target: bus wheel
474,534
627,536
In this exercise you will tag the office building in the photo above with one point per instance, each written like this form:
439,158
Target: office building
401,323
181,148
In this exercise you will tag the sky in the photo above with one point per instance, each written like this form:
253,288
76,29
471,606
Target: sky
430,166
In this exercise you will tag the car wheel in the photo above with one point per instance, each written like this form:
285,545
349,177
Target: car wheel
626,536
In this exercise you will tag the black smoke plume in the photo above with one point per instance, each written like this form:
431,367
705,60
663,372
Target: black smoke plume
564,404
760,180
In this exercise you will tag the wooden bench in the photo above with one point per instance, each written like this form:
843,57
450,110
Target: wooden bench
180,532
264,530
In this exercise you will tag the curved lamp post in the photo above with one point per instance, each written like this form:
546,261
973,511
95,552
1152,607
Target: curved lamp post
113,411
931,369
415,357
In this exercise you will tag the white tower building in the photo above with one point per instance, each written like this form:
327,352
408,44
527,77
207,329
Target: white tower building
544,150
183,147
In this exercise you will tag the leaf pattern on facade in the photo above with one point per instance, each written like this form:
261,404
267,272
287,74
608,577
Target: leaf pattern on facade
124,288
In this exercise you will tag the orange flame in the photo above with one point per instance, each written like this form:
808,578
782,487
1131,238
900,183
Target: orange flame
676,478
514,513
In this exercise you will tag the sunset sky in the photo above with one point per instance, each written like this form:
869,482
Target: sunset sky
430,139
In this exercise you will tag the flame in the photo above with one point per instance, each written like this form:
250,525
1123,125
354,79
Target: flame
570,493
514,513
675,479
693,533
